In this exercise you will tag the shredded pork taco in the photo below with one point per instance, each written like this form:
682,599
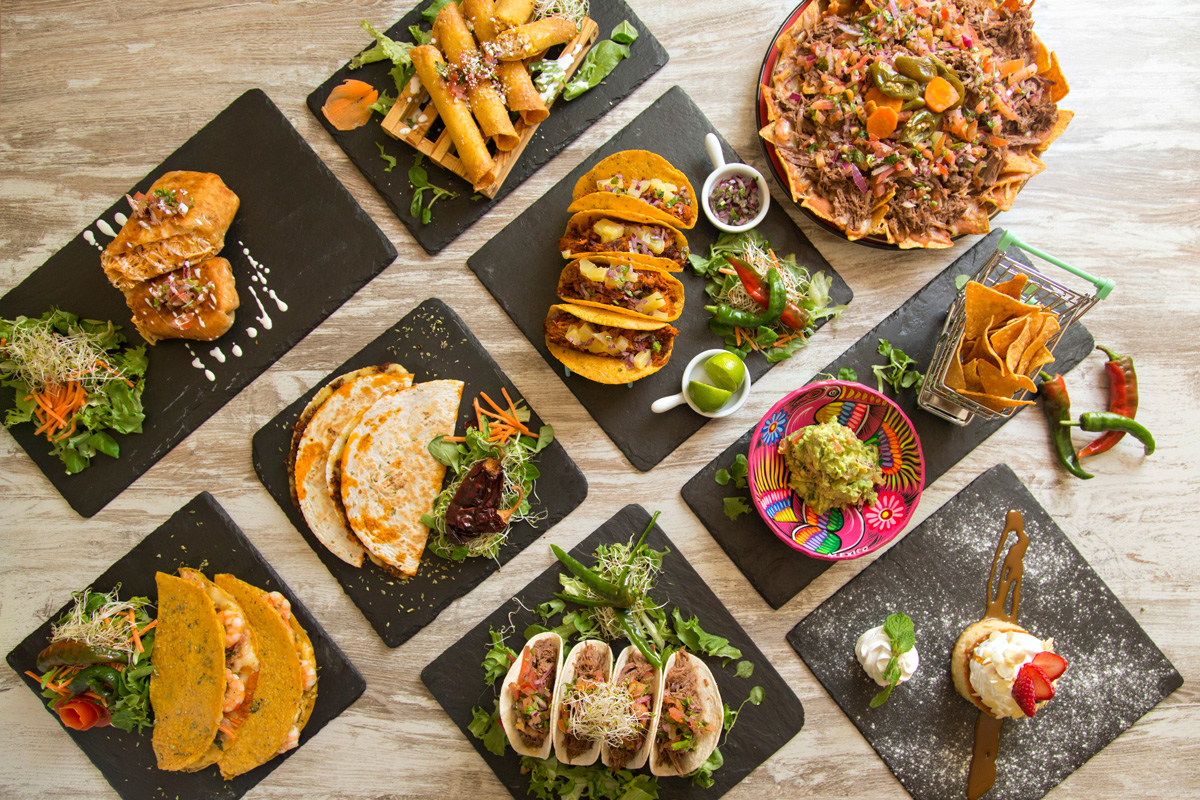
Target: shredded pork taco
641,182
606,346
529,694
625,233
619,284
689,719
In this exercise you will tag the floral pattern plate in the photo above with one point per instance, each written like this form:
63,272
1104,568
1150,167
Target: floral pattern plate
851,531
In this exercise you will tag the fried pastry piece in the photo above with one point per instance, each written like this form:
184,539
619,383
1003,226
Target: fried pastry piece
181,221
195,302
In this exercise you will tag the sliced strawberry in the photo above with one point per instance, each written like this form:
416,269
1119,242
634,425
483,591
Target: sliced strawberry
1052,664
1043,689
1024,693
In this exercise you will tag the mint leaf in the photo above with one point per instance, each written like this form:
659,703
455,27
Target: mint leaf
881,698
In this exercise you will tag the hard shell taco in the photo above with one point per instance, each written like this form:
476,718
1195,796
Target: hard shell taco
585,670
616,283
689,719
640,182
529,694
606,346
624,233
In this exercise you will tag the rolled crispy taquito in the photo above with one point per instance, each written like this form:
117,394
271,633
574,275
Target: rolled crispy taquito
468,141
519,92
511,13
450,31
526,41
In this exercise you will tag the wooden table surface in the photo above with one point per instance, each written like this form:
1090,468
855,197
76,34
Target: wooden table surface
95,94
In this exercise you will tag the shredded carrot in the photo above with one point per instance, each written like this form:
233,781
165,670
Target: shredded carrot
137,639
454,439
349,105
150,625
37,678
225,729
478,414
727,271
737,332
512,407
782,340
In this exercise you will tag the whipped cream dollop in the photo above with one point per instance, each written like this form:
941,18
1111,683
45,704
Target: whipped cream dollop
874,651
995,663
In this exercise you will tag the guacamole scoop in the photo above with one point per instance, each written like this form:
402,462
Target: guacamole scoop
830,467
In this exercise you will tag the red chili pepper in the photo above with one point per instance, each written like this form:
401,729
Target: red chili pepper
1122,399
793,316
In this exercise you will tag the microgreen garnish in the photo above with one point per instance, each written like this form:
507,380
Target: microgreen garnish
391,160
737,472
419,179
897,372
899,629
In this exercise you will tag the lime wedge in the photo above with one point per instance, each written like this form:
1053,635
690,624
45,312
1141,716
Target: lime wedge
707,398
726,370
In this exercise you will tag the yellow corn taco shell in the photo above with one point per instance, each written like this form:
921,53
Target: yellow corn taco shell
641,182
280,690
602,282
589,342
188,685
625,234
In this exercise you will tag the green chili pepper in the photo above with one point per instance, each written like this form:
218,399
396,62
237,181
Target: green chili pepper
633,632
921,125
583,601
1102,421
892,83
70,651
776,302
952,77
1057,405
619,595
914,104
919,69
100,679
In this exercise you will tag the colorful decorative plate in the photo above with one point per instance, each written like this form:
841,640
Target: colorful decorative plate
852,531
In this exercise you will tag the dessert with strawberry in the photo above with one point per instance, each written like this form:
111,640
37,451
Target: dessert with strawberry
1004,670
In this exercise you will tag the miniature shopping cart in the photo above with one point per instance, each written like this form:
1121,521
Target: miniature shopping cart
1067,303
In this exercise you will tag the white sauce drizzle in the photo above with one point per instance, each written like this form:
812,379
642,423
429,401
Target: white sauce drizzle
90,238
105,228
252,332
217,354
208,374
121,219
282,305
265,319
237,351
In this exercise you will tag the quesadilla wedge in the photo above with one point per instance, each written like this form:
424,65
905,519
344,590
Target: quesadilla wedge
605,346
618,284
689,718
529,695
625,233
279,695
389,478
640,182
644,683
188,685
328,416
577,733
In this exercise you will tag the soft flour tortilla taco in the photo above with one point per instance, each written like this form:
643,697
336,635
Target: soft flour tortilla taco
279,697
529,695
606,346
618,284
635,236
689,719
644,683
588,667
640,182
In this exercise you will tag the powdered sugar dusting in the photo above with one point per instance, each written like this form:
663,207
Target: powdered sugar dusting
937,576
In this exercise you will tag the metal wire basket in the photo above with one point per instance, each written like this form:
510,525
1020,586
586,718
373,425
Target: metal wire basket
1067,303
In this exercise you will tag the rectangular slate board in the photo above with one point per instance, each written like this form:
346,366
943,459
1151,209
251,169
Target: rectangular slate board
568,119
431,342
455,675
199,535
937,575
298,233
774,569
521,264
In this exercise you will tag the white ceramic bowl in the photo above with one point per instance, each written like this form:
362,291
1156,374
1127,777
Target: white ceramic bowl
694,367
720,172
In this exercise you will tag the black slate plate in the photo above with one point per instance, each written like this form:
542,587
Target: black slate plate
521,264
199,535
455,677
308,241
452,216
431,342
937,576
773,568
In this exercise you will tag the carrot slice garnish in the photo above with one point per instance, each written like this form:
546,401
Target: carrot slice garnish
349,105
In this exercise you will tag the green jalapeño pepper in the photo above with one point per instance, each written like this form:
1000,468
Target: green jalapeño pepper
1057,405
922,70
892,83
776,302
1104,421
100,679
921,125
69,651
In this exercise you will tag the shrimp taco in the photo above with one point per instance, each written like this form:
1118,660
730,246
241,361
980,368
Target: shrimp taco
578,730
616,283
206,671
606,346
689,717
643,681
641,182
637,237
529,694
283,698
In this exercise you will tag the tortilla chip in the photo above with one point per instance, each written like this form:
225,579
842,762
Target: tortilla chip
971,375
1013,286
1002,339
974,220
1049,327
1056,130
1043,54
807,20
1061,87
1021,163
999,382
955,379
998,404
1016,350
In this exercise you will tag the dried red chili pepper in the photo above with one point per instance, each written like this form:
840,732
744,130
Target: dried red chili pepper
793,316
1122,399
475,508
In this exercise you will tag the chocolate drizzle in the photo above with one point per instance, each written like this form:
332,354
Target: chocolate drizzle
987,728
